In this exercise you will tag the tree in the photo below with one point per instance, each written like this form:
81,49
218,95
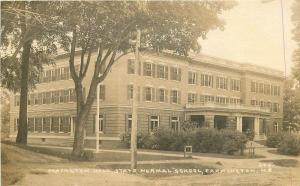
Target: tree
106,27
27,41
296,32
291,106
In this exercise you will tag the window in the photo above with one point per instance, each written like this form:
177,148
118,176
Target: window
72,95
162,97
17,100
46,97
222,83
65,73
192,97
175,73
149,94
129,91
253,86
235,85
149,69
154,123
38,124
175,123
276,90
175,96
261,88
235,101
275,127
55,124
102,92
101,123
267,89
64,96
192,79
16,124
207,98
31,124
47,76
162,71
130,66
55,74
65,124
206,80
275,107
46,124
31,99
221,100
129,123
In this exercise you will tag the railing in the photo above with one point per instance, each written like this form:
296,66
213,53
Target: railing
226,106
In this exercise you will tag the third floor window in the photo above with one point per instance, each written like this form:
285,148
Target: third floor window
206,80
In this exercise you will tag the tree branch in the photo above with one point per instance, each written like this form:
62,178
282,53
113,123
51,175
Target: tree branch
72,56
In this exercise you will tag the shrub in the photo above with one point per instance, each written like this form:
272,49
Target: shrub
250,134
290,145
202,139
233,141
273,140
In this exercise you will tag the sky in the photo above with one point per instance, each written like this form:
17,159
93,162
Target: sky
253,34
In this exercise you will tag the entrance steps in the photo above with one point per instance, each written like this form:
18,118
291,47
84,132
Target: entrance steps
255,144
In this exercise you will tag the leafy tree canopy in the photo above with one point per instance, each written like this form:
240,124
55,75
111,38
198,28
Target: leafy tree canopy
35,22
296,31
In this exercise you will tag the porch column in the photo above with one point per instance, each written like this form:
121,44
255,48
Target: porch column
72,126
256,128
239,123
210,121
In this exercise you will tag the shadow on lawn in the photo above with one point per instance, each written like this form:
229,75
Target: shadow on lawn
283,162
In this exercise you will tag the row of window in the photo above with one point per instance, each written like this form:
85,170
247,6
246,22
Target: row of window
267,89
274,107
59,124
56,74
57,96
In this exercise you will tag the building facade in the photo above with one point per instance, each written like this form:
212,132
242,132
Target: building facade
209,91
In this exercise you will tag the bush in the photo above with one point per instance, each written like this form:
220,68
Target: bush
273,140
290,145
203,140
250,134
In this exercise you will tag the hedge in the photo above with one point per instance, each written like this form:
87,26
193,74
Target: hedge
202,139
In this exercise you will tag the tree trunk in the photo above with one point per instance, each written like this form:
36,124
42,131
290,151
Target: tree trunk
78,145
22,128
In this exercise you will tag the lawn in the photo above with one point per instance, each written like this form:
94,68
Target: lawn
157,170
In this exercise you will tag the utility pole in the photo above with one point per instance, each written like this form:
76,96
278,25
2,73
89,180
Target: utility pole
97,119
134,107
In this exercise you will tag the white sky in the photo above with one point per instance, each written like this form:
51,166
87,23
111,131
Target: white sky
253,34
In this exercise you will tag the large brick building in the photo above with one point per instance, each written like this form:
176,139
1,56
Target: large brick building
210,91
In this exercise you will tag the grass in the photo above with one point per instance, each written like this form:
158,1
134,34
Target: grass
158,170
214,155
283,162
10,174
99,157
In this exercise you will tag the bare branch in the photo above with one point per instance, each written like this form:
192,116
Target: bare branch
87,62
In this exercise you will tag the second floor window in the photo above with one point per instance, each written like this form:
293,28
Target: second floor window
162,95
221,100
149,69
192,79
102,92
192,98
175,73
206,80
222,83
130,66
162,71
175,96
149,94
275,107
129,91
235,84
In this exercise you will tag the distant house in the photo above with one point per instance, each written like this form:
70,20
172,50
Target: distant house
210,91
